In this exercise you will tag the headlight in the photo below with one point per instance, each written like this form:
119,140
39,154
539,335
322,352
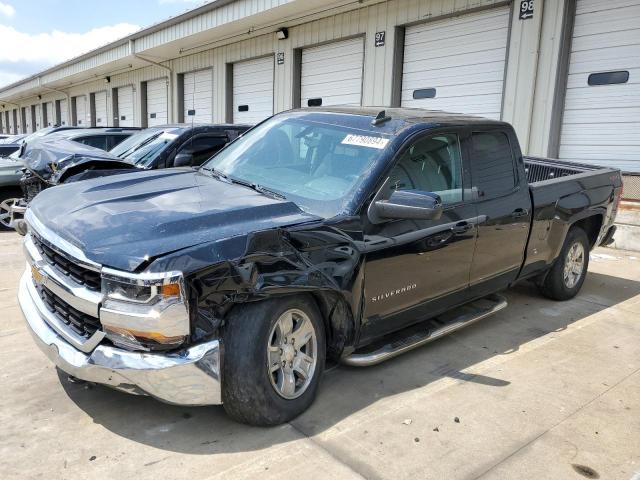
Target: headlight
144,311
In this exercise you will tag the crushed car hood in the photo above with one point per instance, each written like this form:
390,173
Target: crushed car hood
49,159
126,220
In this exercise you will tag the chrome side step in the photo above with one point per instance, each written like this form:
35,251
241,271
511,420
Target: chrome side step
425,332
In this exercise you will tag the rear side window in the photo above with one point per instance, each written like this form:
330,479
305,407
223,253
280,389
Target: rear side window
94,141
114,140
202,148
492,164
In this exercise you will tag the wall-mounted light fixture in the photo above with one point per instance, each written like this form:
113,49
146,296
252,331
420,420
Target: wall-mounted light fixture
282,34
107,79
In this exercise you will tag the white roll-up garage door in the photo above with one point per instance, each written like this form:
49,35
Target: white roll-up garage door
64,113
81,111
28,123
126,109
601,120
332,74
198,96
100,99
38,120
157,108
457,64
253,90
49,114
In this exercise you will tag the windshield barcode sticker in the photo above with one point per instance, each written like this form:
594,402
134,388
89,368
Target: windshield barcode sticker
366,141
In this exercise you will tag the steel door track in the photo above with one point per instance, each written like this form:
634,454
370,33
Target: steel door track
420,334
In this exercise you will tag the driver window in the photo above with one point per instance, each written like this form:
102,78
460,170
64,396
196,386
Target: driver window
432,164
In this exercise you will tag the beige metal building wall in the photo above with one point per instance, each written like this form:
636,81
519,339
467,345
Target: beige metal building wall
532,62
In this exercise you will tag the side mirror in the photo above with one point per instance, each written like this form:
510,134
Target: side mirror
406,205
183,159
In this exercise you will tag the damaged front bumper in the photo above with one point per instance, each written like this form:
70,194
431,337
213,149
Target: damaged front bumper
188,377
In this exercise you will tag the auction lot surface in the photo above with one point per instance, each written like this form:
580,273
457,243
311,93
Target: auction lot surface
540,390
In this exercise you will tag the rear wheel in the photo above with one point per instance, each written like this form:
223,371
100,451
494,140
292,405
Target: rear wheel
274,354
567,275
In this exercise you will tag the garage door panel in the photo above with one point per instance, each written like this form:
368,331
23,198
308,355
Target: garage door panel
601,41
126,106
457,28
438,78
81,111
253,89
64,113
600,115
492,60
462,58
603,63
609,20
601,124
353,76
442,48
198,95
333,72
592,6
329,52
157,102
609,134
101,109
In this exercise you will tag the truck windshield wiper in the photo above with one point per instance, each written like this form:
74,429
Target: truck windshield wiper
259,188
216,173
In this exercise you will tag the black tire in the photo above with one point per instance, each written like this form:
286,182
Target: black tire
5,201
554,285
247,392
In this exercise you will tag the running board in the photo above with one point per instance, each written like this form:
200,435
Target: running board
425,332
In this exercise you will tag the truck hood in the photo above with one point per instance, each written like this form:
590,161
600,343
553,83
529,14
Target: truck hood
125,220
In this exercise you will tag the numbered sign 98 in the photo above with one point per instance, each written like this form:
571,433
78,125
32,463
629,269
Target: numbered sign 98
526,9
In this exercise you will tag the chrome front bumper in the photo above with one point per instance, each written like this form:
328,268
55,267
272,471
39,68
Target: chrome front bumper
189,377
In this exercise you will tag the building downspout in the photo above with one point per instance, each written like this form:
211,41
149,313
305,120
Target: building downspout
132,52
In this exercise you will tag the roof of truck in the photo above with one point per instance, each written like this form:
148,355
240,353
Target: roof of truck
410,115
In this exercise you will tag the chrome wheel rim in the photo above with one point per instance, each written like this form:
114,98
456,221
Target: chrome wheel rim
5,211
292,352
574,265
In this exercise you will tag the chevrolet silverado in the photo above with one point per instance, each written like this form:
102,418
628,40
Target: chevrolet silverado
352,234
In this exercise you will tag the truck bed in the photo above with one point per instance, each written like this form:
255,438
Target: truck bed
543,169
562,192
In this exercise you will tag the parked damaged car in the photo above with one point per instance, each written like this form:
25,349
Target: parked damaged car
345,233
57,160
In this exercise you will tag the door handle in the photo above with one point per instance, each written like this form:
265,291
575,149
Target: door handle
461,227
520,212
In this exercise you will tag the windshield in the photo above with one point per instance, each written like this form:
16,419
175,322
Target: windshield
316,165
144,147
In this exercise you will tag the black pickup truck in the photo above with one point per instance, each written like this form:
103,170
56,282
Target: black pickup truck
346,233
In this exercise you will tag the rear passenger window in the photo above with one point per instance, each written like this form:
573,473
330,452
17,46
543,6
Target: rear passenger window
95,141
492,164
432,164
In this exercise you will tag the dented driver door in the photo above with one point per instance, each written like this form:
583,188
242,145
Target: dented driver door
413,267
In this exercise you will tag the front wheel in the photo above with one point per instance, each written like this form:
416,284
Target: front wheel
567,275
6,202
274,355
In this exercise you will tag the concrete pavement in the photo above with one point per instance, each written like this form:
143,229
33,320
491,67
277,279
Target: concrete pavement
541,390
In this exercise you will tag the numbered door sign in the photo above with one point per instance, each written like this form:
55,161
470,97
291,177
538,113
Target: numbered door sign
380,37
526,9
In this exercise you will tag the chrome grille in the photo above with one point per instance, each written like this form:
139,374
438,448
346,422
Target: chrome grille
81,323
81,275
